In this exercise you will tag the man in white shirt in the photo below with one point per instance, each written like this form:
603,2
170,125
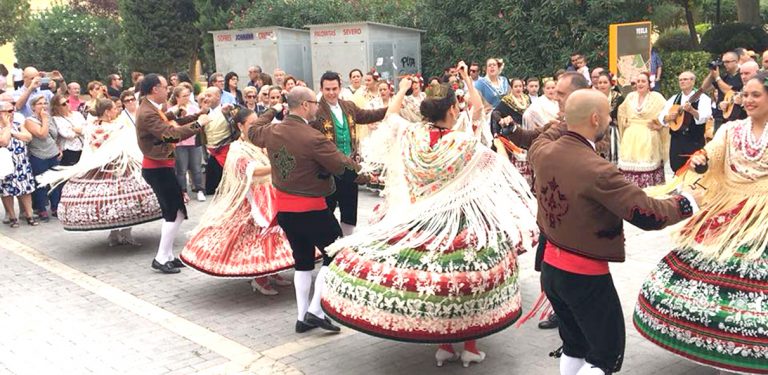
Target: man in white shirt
18,77
696,108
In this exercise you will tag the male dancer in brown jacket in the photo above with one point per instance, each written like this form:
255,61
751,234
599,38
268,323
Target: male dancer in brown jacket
305,164
158,131
336,119
583,200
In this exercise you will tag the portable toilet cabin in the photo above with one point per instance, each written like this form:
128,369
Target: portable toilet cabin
394,51
268,47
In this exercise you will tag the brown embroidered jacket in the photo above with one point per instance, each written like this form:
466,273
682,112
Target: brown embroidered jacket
324,122
302,158
583,198
156,136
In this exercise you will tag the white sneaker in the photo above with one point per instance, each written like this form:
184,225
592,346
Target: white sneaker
200,196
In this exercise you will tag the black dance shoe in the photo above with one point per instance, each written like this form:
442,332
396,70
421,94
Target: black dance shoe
551,322
302,327
177,263
323,323
167,267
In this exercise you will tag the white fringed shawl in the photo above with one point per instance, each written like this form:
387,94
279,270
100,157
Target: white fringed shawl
236,182
117,154
433,193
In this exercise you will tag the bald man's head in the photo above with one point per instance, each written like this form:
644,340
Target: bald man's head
29,74
212,95
587,112
302,102
748,70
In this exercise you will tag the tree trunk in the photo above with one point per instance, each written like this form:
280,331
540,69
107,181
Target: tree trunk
691,23
749,11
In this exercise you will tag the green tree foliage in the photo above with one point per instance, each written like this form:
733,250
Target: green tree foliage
101,8
212,15
675,40
14,15
535,37
81,46
159,36
722,38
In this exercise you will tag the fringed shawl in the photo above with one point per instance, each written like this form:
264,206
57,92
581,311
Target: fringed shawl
434,194
236,181
119,152
734,210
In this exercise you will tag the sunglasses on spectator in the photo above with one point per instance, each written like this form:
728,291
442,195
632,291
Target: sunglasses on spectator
473,70
251,96
63,104
128,100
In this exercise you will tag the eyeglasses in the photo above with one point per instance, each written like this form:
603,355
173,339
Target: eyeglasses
473,70
633,83
251,96
63,104
312,101
128,100
729,61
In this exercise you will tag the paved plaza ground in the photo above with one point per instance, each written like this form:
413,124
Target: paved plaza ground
71,305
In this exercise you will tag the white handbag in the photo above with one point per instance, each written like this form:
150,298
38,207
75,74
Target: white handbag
6,162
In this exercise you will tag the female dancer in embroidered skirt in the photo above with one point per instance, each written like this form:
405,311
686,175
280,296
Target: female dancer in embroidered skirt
707,300
105,190
238,236
441,264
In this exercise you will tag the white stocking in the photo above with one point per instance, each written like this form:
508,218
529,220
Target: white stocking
570,365
302,282
347,229
590,369
314,307
168,233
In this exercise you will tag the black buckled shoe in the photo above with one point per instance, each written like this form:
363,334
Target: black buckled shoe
552,322
177,263
323,323
167,267
302,327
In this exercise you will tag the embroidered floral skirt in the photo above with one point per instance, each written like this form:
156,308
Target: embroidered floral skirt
102,200
426,297
712,313
237,247
645,179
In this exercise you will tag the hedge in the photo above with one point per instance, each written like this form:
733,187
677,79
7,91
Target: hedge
678,62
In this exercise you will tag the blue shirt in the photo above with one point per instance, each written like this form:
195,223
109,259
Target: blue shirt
491,94
227,98
26,110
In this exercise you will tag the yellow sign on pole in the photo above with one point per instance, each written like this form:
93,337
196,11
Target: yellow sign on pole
629,50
